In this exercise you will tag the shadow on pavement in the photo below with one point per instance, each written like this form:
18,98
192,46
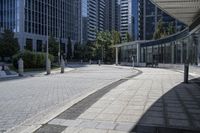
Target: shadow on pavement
178,111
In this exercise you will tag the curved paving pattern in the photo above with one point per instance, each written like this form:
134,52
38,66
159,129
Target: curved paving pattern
154,102
22,99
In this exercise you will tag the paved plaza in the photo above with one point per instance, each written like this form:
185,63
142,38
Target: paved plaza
21,99
156,101
119,100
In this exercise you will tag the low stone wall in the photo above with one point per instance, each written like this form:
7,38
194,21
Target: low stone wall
130,64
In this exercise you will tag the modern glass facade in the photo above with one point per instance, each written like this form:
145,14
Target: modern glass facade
29,19
9,14
140,17
151,16
91,18
128,18
174,49
112,15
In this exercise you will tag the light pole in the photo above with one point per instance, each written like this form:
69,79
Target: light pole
102,53
59,49
48,63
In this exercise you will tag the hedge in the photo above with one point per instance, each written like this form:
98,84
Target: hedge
32,59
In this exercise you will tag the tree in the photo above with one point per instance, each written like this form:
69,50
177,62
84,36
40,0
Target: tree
78,51
128,37
162,31
89,50
53,46
69,49
29,45
116,38
104,47
170,29
159,32
8,45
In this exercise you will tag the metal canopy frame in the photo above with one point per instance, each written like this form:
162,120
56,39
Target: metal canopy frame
185,11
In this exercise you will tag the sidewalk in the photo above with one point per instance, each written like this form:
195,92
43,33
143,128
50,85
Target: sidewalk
10,75
43,73
155,101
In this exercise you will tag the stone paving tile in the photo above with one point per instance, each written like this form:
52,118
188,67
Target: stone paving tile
94,110
67,123
154,114
152,95
197,124
131,112
88,130
87,115
45,92
107,117
111,110
196,116
179,123
114,131
88,124
57,121
125,127
107,126
153,121
72,130
128,118
182,116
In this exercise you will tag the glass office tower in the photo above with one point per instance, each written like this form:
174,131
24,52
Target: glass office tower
91,19
29,19
112,15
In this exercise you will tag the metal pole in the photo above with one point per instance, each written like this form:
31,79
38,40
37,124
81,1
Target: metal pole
47,49
102,53
116,60
48,64
59,56
186,71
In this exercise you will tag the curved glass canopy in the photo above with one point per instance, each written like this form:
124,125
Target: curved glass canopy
187,11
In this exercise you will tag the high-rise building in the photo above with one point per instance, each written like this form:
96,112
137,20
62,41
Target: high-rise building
91,19
129,18
29,19
112,15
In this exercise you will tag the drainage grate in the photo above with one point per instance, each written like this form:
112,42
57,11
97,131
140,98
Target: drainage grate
50,129
77,109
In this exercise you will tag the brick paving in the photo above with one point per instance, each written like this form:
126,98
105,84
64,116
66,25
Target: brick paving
24,98
155,101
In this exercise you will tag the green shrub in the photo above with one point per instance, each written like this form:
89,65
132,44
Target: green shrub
32,59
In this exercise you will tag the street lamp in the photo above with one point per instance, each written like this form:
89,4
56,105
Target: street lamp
48,62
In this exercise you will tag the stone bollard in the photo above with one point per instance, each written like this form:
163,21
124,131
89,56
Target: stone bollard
66,62
21,67
90,62
186,72
3,67
48,66
99,62
62,65
133,63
